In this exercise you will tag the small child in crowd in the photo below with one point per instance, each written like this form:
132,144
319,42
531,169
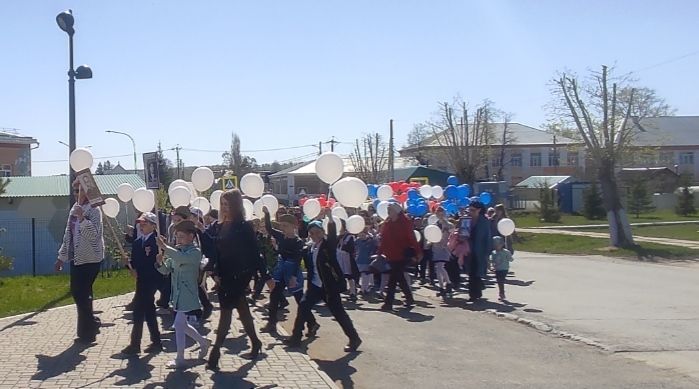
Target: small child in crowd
183,263
365,246
500,261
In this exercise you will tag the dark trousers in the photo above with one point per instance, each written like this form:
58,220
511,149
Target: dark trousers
396,277
453,271
224,323
313,296
82,277
144,310
475,283
276,296
164,287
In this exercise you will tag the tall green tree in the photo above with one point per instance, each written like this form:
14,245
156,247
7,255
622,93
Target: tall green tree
237,162
164,168
593,207
685,199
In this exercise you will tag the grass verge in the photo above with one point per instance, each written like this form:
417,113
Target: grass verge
681,231
28,294
582,245
525,220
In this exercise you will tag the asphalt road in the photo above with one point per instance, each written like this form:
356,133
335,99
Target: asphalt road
460,346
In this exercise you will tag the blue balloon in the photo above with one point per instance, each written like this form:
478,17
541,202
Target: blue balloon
452,180
464,191
412,210
464,202
486,198
451,192
413,194
452,209
373,189
421,209
376,203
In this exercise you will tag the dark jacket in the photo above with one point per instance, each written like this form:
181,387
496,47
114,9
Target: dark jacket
328,269
232,251
481,241
143,258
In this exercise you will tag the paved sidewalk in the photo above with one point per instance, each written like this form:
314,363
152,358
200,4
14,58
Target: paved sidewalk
692,244
39,352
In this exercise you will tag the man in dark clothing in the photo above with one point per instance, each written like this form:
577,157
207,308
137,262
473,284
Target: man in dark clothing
481,247
143,259
325,282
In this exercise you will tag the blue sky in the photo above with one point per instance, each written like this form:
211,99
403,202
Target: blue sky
293,73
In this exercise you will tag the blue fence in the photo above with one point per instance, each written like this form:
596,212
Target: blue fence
30,244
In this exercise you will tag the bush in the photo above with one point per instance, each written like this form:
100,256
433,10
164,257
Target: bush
593,207
548,210
685,202
639,200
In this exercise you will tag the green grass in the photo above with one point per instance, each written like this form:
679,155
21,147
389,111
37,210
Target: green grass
525,220
582,245
27,294
682,231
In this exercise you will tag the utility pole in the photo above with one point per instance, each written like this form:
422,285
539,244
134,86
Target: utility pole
177,151
320,148
332,142
391,170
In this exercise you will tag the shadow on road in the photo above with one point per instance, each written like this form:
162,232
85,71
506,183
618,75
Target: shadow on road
339,369
52,366
177,379
233,379
24,321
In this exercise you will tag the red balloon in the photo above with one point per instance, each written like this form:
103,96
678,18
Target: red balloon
402,198
323,197
302,201
323,202
331,202
395,186
404,187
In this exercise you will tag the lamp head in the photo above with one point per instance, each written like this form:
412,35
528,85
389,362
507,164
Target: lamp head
83,72
65,21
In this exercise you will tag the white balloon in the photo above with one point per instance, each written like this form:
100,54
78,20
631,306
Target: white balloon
338,224
252,185
417,235
143,200
433,234
437,192
384,193
350,192
249,209
365,206
257,209
203,204
311,208
340,213
272,205
111,207
125,192
175,184
215,199
180,196
426,191
202,178
506,227
192,191
329,167
382,210
433,219
81,159
355,224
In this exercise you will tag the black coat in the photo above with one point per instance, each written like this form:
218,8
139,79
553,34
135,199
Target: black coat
232,251
328,269
143,258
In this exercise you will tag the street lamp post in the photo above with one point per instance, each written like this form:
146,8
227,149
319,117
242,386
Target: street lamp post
65,21
133,143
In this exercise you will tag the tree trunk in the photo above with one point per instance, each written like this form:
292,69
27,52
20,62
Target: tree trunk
619,227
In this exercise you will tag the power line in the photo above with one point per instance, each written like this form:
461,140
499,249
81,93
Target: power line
65,160
249,151
668,61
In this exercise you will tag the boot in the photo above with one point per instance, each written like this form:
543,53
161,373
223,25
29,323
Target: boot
255,351
353,344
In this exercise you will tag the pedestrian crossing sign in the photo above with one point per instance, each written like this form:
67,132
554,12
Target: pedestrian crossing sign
230,182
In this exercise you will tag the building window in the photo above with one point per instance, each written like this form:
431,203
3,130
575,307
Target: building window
516,160
573,158
687,158
6,171
554,158
535,159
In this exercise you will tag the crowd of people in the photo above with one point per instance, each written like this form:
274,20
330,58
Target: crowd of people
311,260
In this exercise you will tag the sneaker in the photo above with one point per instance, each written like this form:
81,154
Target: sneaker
313,331
176,364
204,349
131,350
153,348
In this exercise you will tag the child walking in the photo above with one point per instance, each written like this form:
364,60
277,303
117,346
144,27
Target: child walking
144,251
346,259
366,246
182,263
500,261
441,255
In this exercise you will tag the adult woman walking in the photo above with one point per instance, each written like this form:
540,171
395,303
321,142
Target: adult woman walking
399,246
481,247
231,246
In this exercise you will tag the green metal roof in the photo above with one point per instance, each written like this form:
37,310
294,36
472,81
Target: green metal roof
56,186
436,177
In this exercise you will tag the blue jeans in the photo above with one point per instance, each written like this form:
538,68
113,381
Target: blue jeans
283,272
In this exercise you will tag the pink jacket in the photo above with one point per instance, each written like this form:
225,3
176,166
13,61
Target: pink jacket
458,246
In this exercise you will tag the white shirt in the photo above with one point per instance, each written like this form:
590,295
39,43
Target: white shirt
316,277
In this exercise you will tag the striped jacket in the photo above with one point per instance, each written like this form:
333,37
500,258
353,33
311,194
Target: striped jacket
88,246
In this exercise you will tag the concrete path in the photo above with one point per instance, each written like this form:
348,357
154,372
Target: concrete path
38,352
692,244
646,311
645,224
